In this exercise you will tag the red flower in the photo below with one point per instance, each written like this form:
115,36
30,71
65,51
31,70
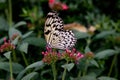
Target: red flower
7,46
50,56
64,6
55,5
72,55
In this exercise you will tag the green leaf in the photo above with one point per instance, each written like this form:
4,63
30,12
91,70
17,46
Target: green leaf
84,78
35,41
80,35
7,54
36,64
87,78
27,34
19,24
3,24
13,31
30,76
87,49
105,53
15,41
104,34
106,78
15,66
68,66
94,63
20,75
24,47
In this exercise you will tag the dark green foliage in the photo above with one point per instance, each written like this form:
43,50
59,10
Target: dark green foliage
26,33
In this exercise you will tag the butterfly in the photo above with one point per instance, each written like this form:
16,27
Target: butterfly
55,34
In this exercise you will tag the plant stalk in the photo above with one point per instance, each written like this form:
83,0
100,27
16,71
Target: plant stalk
11,71
86,67
112,64
64,73
24,58
14,56
54,71
10,12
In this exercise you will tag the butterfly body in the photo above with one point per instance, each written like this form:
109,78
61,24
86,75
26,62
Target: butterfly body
55,35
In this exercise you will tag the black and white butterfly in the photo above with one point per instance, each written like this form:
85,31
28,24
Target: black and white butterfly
55,35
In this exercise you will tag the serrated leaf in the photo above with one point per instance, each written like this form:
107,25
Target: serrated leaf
30,76
105,53
94,63
104,34
68,66
15,66
3,24
27,34
36,64
80,35
7,54
106,78
24,47
19,24
35,41
13,31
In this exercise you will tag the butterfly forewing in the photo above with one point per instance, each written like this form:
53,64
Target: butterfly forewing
55,36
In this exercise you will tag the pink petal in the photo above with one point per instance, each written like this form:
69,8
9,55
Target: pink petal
64,7
51,1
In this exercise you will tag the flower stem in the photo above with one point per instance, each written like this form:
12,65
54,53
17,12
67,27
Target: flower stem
112,64
86,67
10,12
54,71
79,74
24,58
11,71
64,73
14,56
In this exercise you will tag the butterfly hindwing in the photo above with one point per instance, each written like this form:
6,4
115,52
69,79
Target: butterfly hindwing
55,35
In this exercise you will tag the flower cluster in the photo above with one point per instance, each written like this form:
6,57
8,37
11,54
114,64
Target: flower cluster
89,55
51,56
72,55
7,46
55,5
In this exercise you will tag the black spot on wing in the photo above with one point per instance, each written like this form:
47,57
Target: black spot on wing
47,32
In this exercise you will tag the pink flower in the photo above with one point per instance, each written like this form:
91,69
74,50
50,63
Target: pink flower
7,46
72,55
50,56
55,5
64,6
51,1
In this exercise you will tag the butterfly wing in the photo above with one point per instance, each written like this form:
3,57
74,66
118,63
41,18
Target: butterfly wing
52,25
55,36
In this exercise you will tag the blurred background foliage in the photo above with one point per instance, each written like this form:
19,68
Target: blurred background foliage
28,18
